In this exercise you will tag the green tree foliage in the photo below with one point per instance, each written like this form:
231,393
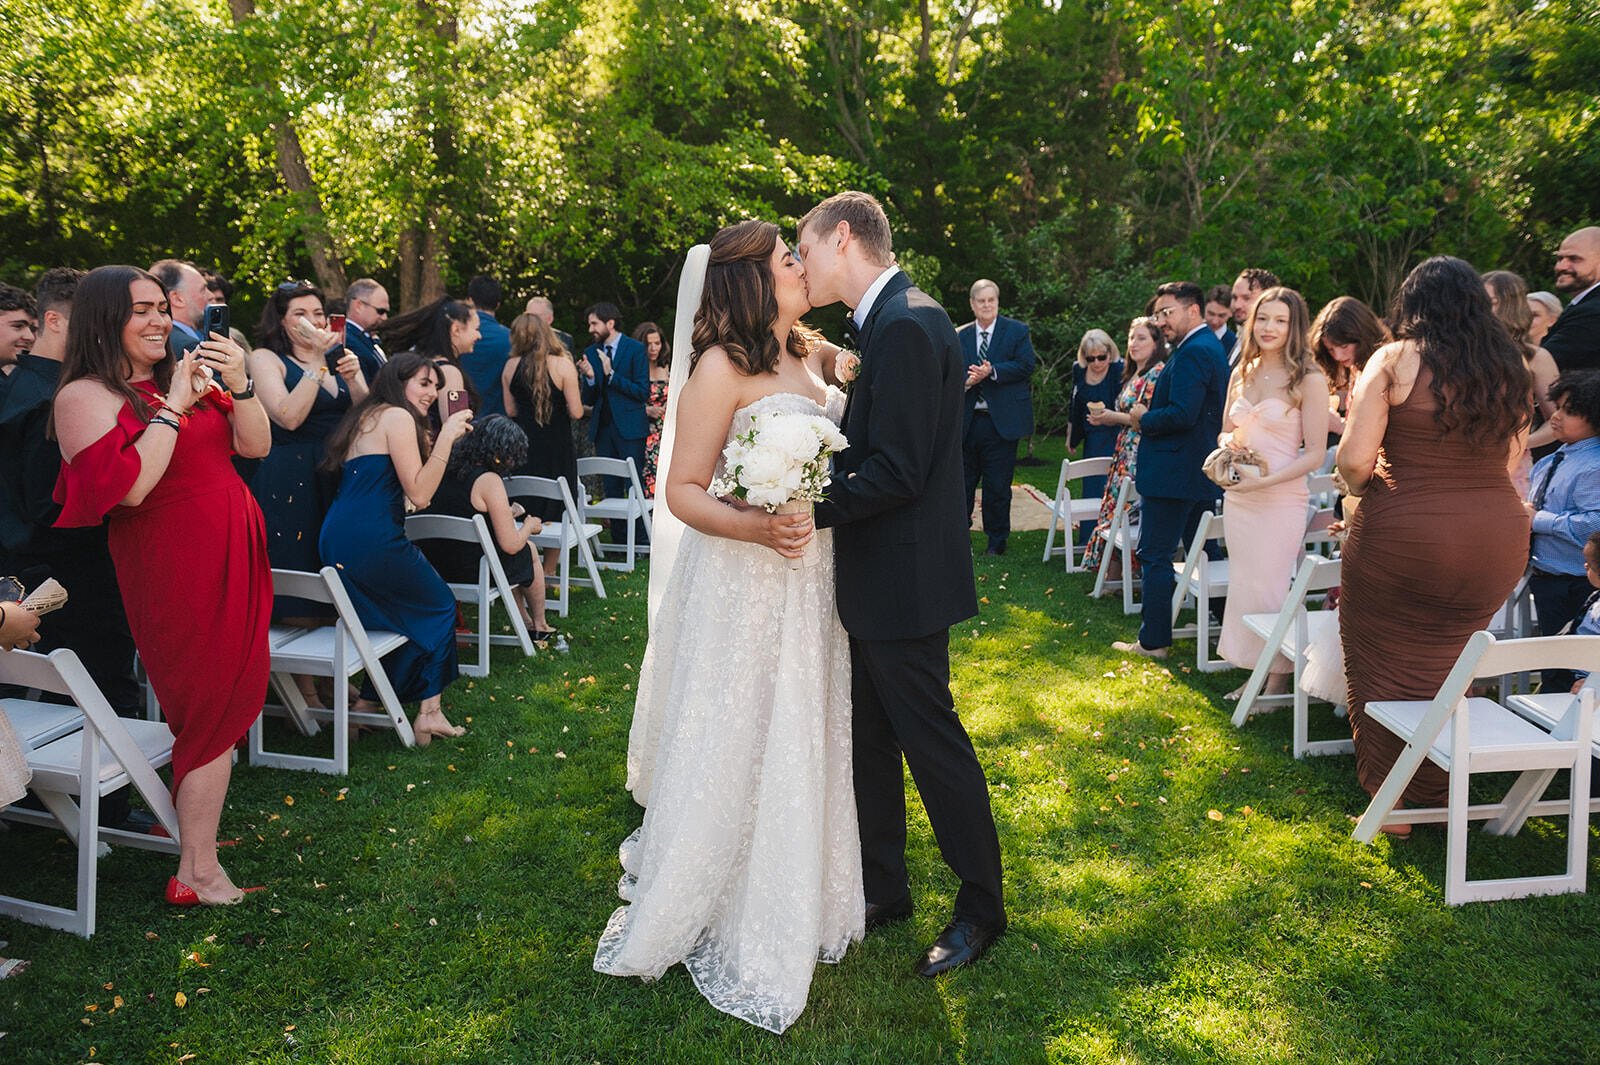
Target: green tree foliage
1073,151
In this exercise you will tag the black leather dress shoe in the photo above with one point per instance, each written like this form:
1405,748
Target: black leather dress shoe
996,548
961,942
880,914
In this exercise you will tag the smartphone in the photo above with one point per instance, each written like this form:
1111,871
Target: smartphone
336,326
337,352
216,321
456,399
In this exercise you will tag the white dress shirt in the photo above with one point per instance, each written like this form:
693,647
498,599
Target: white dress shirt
870,297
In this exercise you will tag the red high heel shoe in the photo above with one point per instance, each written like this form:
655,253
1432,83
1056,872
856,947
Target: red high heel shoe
181,894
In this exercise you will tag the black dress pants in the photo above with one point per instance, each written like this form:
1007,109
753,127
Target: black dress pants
903,708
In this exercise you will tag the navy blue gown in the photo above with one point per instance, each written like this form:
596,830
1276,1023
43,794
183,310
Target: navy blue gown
1099,441
292,495
391,584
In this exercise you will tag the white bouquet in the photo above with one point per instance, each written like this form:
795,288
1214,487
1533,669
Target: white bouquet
780,464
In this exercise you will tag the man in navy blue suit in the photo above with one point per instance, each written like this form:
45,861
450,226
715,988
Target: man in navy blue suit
1178,430
366,306
484,363
186,298
616,383
998,406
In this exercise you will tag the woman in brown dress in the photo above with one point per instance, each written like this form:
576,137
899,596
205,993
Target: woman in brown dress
1440,537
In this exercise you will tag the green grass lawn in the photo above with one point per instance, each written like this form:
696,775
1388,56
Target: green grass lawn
1179,891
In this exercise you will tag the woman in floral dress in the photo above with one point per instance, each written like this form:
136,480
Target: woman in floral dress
1147,354
659,355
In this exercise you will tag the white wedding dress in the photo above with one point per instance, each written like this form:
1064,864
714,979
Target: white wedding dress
747,868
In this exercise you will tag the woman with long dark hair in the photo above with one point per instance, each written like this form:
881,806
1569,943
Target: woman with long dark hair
1344,335
659,354
1440,537
307,381
386,459
147,443
1147,354
748,866
443,330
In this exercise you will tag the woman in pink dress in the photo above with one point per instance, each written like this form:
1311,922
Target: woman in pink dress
1277,406
147,444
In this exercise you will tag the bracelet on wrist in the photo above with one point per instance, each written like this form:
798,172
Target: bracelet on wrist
161,419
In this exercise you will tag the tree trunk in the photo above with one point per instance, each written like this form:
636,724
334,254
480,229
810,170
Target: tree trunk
302,186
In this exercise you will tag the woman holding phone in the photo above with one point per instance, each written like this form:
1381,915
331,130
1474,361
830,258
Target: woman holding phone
386,459
307,381
146,443
443,330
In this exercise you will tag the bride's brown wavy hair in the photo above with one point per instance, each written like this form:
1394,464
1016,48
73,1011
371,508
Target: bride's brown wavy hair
739,302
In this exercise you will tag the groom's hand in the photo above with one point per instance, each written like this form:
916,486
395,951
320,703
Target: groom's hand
787,534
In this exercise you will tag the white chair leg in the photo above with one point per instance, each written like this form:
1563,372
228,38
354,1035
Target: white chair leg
1456,828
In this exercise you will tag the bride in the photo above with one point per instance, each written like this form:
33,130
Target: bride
747,868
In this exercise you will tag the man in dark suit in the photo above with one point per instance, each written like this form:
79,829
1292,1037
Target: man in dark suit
1178,431
999,406
1219,310
484,363
186,297
1574,340
18,325
904,571
616,383
366,306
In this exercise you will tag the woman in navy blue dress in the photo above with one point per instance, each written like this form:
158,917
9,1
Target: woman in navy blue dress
1095,379
306,381
383,451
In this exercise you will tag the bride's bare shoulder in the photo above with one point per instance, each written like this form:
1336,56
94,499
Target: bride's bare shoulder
715,373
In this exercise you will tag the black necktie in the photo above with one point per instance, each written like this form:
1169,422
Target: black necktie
852,336
1549,475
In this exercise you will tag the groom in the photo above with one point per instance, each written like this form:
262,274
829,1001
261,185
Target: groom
904,567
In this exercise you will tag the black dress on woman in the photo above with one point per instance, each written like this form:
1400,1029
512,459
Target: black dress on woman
457,562
292,495
550,448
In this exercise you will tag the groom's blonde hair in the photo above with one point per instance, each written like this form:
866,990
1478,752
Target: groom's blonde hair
868,223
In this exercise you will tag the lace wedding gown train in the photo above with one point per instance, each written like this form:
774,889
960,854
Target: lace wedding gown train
747,868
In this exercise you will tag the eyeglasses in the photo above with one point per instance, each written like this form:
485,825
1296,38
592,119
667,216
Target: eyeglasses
1162,313
1102,357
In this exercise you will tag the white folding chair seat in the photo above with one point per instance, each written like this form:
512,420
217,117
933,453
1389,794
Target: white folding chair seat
491,587
73,772
1122,540
1200,578
338,651
36,723
633,506
1292,632
1066,508
1465,735
569,534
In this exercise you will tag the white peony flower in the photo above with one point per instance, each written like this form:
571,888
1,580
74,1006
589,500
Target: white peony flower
766,497
791,436
762,466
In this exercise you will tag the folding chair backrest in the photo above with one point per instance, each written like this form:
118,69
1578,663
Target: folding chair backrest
1499,657
527,487
442,527
299,585
603,467
1077,469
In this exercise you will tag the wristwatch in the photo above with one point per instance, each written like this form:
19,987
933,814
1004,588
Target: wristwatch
249,390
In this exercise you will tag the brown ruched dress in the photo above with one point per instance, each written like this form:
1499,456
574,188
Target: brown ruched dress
1436,546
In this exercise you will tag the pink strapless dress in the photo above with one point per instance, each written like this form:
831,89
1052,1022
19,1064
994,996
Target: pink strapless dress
1265,528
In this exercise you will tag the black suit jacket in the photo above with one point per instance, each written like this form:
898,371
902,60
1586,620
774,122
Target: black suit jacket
897,501
1574,339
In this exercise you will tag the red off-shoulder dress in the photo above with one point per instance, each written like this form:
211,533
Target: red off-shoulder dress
192,566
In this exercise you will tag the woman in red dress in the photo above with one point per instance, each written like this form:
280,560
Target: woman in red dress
147,443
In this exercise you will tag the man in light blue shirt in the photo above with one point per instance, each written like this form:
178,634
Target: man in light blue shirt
1564,498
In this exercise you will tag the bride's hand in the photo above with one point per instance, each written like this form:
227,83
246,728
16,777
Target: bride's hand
787,534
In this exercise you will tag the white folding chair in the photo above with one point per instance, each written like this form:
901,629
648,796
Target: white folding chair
1291,632
1199,578
338,651
1122,539
1072,511
633,506
73,771
570,533
1465,735
492,585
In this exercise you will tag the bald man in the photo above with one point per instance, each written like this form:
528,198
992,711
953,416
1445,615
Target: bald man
541,307
1574,339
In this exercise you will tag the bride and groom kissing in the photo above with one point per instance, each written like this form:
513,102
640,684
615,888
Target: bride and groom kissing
776,703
